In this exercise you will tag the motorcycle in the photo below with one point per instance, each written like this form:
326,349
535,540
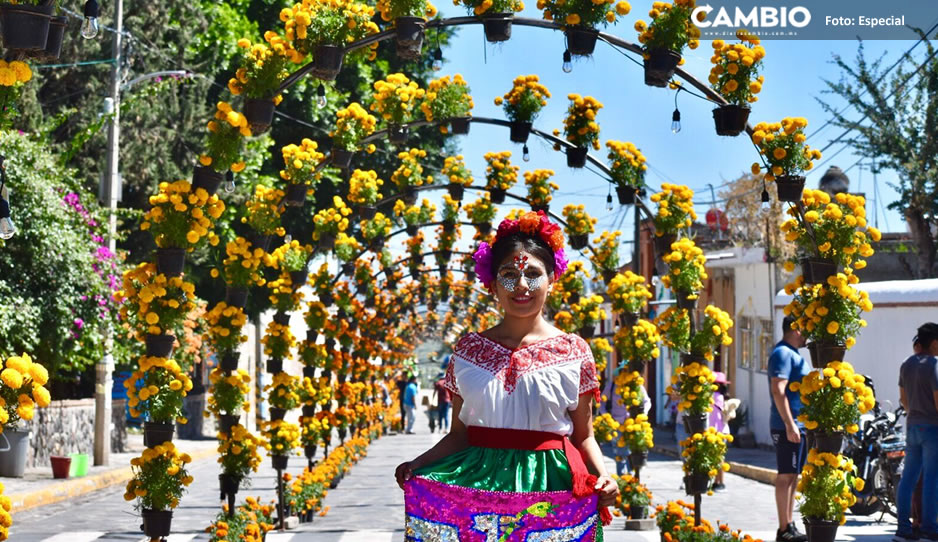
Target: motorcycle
878,451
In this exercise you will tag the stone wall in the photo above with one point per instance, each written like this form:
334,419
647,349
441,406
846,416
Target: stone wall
67,427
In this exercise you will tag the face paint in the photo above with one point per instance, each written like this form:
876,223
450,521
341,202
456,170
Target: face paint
534,283
508,283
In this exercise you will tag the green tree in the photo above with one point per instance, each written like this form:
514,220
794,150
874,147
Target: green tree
900,132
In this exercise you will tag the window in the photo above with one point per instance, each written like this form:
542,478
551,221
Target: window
766,343
744,334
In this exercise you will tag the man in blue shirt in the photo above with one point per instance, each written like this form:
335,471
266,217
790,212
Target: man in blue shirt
785,366
410,403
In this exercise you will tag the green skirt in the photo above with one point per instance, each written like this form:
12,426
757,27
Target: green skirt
496,469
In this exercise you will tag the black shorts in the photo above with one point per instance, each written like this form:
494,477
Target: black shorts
790,456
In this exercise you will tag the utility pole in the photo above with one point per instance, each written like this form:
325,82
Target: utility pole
104,369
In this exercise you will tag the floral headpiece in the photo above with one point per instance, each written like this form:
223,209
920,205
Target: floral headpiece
530,223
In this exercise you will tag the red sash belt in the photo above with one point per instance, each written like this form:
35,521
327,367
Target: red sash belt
519,439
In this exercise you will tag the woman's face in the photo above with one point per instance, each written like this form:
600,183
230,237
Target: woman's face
521,285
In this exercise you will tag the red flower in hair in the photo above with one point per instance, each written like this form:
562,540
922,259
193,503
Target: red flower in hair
507,227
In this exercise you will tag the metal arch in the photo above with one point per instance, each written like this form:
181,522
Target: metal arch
422,256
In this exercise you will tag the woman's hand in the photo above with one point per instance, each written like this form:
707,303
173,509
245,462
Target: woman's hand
608,490
404,472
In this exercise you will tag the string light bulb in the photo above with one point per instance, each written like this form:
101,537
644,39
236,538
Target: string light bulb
437,59
765,194
321,96
608,202
525,154
229,182
676,121
89,27
567,61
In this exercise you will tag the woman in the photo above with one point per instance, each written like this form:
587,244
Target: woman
520,456
719,418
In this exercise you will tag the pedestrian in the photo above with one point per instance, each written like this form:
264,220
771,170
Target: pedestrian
786,366
720,417
401,383
410,404
443,402
615,406
522,397
918,393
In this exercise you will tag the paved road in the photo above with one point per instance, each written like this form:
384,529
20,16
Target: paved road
368,507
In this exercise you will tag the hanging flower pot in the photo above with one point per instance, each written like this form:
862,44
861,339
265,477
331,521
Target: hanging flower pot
831,443
411,229
236,296
25,27
367,212
229,362
576,157
730,119
459,125
581,41
156,523
277,413
227,421
295,195
520,130
446,255
156,433
659,67
206,178
275,365
697,483
574,297
625,194
341,158
638,459
537,207
820,530
696,423
170,261
159,346
663,243
309,451
376,244
309,410
56,36
397,134
348,268
818,270
327,299
687,359
484,228
298,278
330,344
326,241
638,512
497,27
789,188
608,275
259,113
456,191
587,332
259,240
634,411
497,195
281,318
823,353
229,483
279,461
579,241
449,227
409,36
327,62
684,300
409,195
309,372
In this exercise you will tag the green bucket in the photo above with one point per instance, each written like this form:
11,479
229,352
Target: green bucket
79,466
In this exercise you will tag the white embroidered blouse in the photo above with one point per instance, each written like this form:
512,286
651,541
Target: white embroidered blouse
533,387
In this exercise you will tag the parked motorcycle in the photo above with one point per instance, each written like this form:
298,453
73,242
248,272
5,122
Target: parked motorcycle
878,451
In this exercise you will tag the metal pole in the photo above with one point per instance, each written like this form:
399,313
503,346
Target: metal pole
103,370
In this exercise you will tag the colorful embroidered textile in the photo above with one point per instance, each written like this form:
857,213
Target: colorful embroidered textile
439,512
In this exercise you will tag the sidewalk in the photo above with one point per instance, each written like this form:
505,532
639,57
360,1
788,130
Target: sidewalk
753,463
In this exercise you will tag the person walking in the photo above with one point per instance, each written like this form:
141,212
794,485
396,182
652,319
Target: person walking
410,403
443,402
918,393
786,366
720,417
401,383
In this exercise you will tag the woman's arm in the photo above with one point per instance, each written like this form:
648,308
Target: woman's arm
454,441
583,439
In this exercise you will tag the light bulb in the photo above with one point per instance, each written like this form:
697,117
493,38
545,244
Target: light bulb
7,229
765,196
567,62
525,154
608,202
676,121
321,96
437,59
89,27
229,182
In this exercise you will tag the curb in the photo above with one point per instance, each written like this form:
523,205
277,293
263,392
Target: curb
82,486
758,474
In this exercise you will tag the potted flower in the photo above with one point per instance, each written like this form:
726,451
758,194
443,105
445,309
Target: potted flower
481,213
263,68
26,25
246,520
448,99
828,316
663,40
540,188
414,216
282,438
459,176
572,282
224,331
686,271
565,321
675,213
638,344
376,230
703,455
782,146
500,175
364,191
522,104
284,297
713,333
22,389
11,87
156,306
633,498
226,134
605,256
446,239
673,518
301,165
330,222
638,437
605,428
409,174
158,388
629,295
353,124
600,349
238,457
834,398
628,167
695,384
496,16
346,249
395,99
242,268
323,29
414,246
588,312
580,128
263,215
735,75
291,258
825,492
829,233
159,480
410,20
229,396
278,343
579,224
282,394
180,220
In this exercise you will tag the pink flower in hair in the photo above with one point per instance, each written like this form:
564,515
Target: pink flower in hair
483,259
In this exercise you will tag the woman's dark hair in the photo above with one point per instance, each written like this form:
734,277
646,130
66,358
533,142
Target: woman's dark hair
537,247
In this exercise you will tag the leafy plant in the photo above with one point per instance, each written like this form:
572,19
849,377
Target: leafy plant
300,163
409,173
579,222
225,323
332,220
703,453
584,12
446,98
638,342
414,215
829,313
539,185
481,211
242,265
525,100
263,67
735,72
282,437
631,493
181,218
159,478
826,486
675,209
229,392
695,384
588,311
283,391
482,7
278,341
22,390
377,227
834,398
605,428
627,163
628,292
364,186
263,211
580,126
223,143
396,97
637,434
831,228
392,9
686,268
499,173
310,24
291,256
13,75
782,144
605,256
713,332
157,388
671,27
346,247
353,123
